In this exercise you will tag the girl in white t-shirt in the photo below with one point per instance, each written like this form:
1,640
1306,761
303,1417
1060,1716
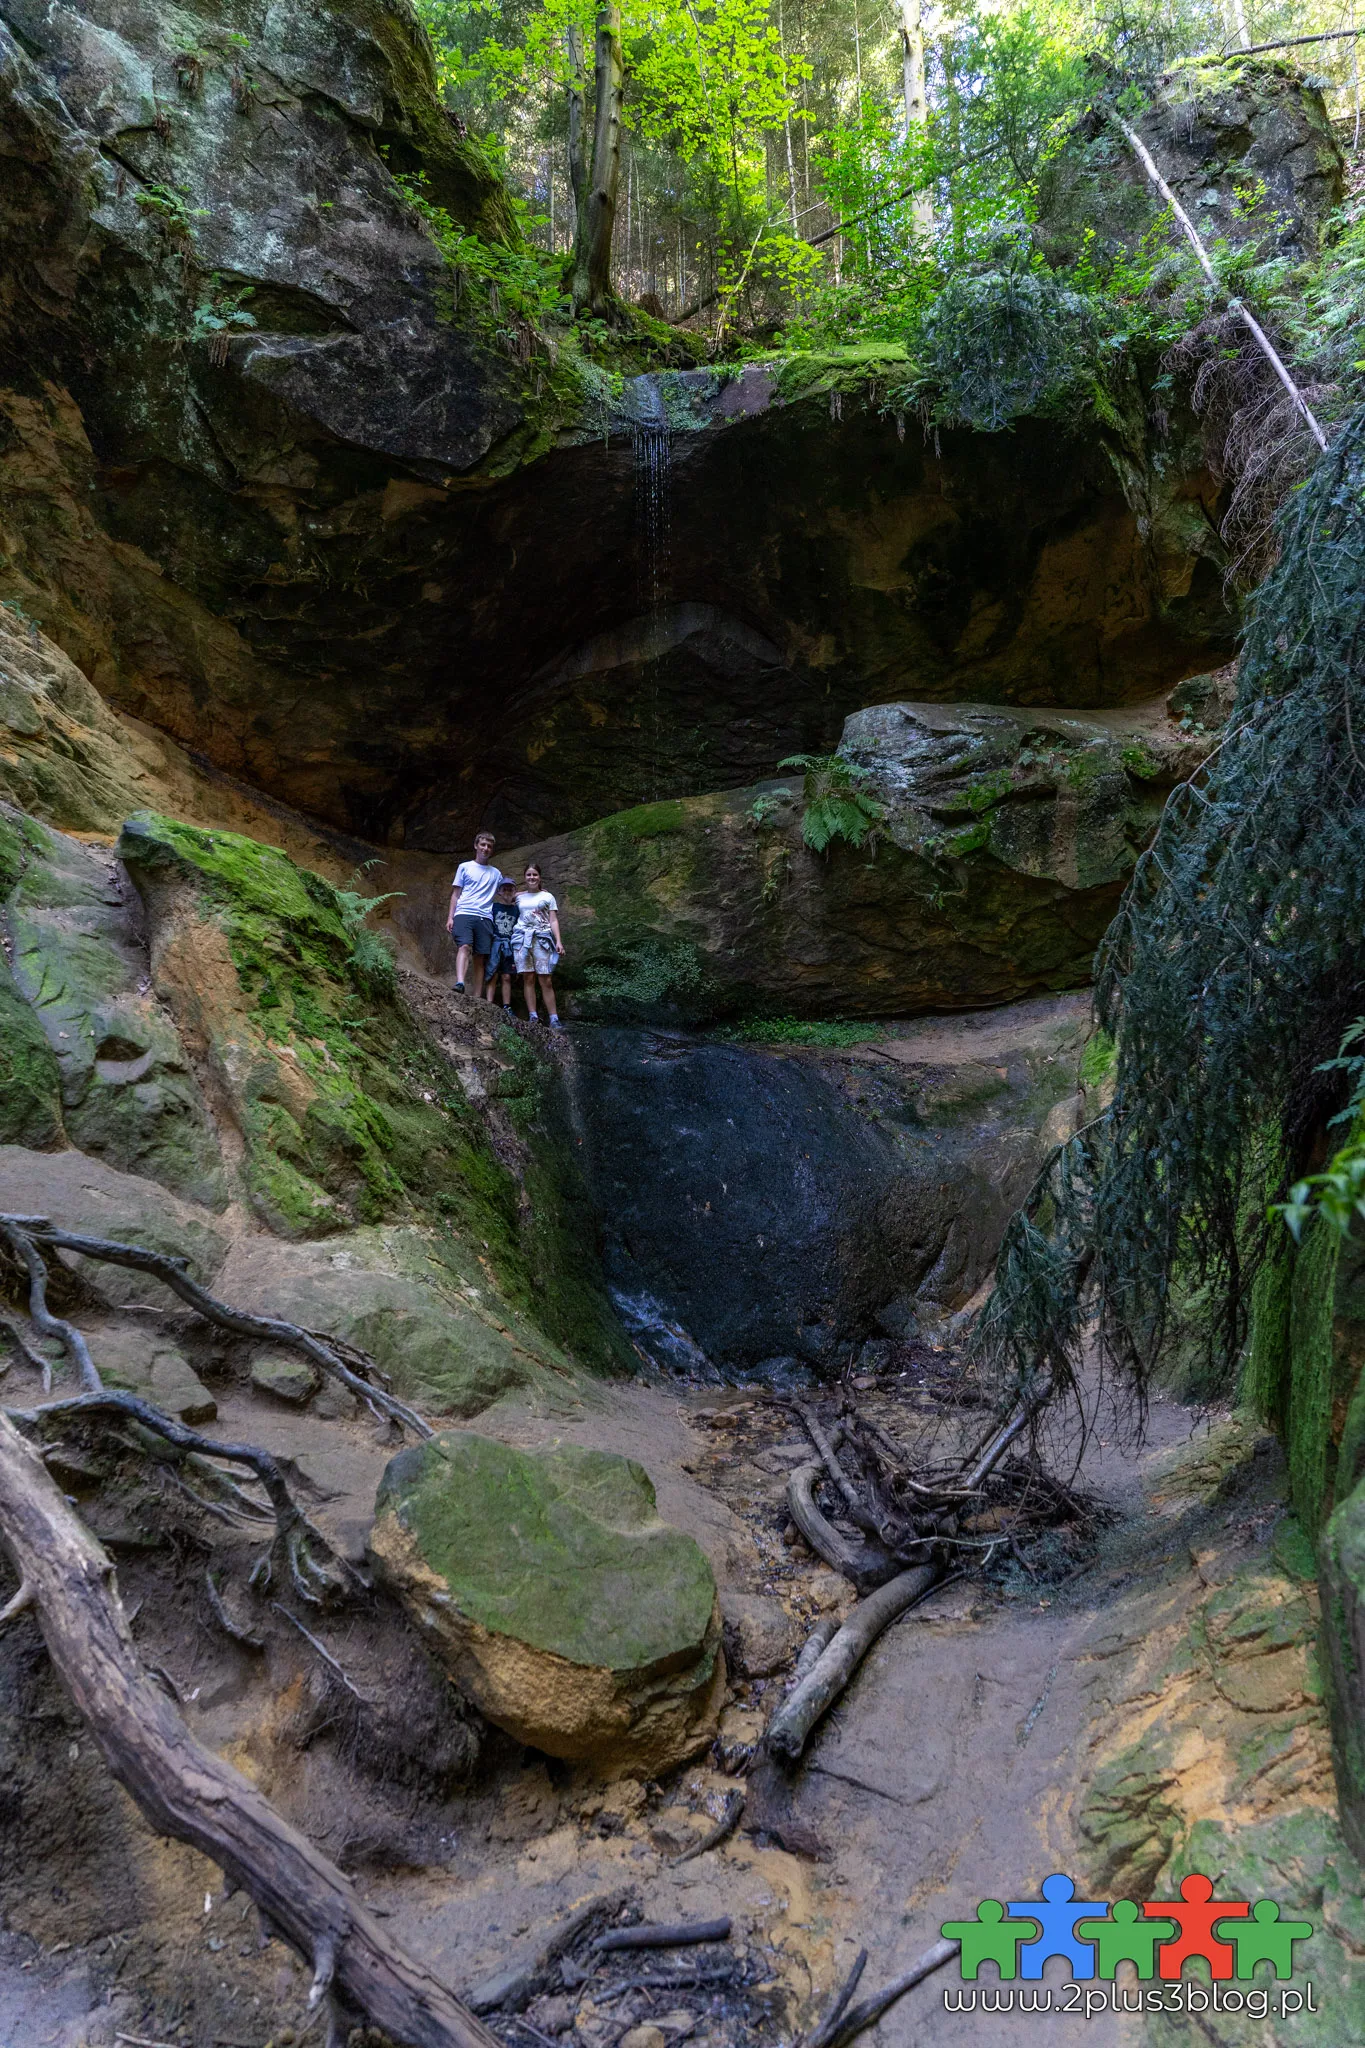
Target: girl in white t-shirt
537,946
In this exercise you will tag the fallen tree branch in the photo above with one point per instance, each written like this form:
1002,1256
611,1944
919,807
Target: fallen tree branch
173,1272
518,1982
814,1647
860,1563
187,1792
790,1728
825,2030
680,1934
871,2009
296,1538
731,1815
1235,305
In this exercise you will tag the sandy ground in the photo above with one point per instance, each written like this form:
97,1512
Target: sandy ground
949,1773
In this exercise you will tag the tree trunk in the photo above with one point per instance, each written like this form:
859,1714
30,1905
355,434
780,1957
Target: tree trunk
916,97
578,163
597,217
187,1792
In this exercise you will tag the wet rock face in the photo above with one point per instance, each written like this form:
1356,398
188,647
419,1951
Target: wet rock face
556,1598
766,1204
361,561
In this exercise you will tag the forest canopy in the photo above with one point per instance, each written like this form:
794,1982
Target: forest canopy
812,170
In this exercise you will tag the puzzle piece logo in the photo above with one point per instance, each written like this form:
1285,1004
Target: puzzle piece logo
1229,1935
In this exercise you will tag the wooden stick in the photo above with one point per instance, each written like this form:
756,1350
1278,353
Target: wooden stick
828,2024
1148,162
790,1728
862,2016
680,1934
187,1792
731,1815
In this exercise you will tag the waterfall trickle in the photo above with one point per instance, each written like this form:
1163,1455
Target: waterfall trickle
652,438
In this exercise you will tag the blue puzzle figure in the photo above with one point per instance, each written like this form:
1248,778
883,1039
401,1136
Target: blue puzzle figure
1057,1917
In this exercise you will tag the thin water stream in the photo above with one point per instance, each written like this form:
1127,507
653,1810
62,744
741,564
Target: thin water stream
652,439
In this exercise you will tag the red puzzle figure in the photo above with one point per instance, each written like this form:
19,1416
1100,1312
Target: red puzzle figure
1195,1920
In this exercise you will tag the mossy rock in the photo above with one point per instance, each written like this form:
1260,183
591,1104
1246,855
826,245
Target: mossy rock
559,1602
30,1086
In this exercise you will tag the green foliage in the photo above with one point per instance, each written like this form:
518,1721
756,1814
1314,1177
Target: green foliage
221,310
642,975
1236,952
836,805
833,1032
371,960
504,279
766,806
169,206
1337,1194
1006,342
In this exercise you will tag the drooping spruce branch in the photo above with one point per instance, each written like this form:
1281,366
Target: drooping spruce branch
1236,958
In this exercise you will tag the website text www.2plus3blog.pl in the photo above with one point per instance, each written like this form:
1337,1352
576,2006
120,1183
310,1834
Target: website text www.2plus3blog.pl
1258,2002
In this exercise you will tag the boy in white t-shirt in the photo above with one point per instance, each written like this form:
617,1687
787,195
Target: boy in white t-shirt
470,921
537,945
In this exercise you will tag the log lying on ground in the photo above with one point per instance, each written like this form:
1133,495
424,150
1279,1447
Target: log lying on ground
518,1982
185,1791
333,1357
860,1563
790,1728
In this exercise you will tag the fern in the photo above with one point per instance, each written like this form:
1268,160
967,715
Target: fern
836,804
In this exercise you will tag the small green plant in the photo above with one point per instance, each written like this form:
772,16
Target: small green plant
766,806
1337,1194
836,804
218,314
520,287
370,958
169,206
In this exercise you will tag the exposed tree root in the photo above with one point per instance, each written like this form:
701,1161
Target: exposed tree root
790,1728
14,1233
187,1792
339,1360
300,1553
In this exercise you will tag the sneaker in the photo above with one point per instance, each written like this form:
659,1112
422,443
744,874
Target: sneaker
459,988
532,1017
507,1010
555,1024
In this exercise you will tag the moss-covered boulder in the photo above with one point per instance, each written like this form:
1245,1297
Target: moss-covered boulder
1006,839
556,1598
30,1086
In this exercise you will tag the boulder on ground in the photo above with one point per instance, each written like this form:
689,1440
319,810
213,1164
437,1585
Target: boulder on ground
556,1598
760,1635
134,1359
1005,839
285,1375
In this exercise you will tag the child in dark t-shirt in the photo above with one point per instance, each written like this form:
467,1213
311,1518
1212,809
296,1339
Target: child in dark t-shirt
501,958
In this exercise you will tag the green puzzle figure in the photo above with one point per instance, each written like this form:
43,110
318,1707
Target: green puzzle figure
1124,1938
1265,1938
990,1938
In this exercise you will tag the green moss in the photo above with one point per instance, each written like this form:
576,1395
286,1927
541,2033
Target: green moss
645,821
30,1084
1097,1061
831,1031
1310,1383
20,839
1139,760
561,1549
809,373
1265,1380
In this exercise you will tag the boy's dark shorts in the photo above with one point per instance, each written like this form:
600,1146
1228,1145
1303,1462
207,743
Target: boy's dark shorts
472,931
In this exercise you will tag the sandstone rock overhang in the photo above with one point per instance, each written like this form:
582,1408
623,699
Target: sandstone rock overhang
360,561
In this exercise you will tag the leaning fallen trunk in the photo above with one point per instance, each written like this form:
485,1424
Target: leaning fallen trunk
184,1790
790,1728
